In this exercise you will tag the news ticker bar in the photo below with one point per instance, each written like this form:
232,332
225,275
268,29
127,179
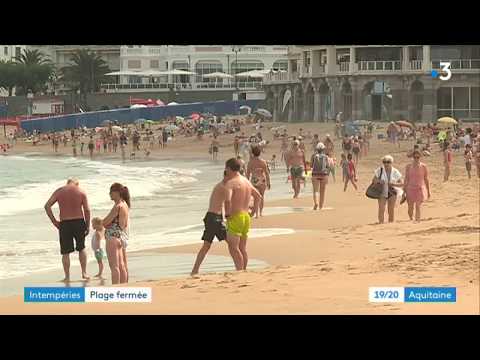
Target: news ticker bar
412,294
88,294
144,294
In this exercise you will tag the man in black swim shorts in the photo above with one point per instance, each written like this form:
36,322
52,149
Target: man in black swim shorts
214,226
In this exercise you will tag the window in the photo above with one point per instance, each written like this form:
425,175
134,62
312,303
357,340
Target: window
134,64
243,66
207,67
280,65
5,51
18,51
475,98
180,65
154,64
460,98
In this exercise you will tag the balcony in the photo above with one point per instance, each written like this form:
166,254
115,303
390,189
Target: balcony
379,66
416,65
467,65
165,87
343,67
280,77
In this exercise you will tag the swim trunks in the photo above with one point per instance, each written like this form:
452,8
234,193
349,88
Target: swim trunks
69,230
239,224
99,254
214,227
296,171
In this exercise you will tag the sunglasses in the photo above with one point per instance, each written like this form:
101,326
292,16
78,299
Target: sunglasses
387,162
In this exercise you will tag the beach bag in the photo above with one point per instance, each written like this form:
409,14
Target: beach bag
320,165
374,191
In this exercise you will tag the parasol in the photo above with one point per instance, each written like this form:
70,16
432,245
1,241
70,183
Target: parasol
404,123
447,120
264,113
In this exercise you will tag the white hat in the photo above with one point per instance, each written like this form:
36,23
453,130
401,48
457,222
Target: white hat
296,142
320,146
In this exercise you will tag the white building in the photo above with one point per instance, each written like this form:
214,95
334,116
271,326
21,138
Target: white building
9,53
201,59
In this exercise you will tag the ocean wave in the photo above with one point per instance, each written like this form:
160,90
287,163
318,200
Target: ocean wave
143,182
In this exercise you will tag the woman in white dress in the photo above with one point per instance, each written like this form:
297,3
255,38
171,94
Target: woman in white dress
391,179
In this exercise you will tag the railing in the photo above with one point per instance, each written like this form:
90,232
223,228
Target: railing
280,77
416,65
257,85
344,67
458,64
379,65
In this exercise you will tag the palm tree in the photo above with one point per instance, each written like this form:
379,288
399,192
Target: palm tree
34,71
86,72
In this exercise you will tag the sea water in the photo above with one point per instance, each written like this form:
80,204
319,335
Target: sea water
169,200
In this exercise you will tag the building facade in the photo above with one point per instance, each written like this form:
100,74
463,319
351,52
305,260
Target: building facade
376,83
201,59
9,53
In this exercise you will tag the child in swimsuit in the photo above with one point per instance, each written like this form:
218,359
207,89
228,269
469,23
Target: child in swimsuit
97,238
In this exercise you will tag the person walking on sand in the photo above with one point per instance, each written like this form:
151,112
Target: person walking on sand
259,175
237,200
74,223
320,173
214,147
468,155
213,221
447,160
416,180
295,160
391,180
116,233
90,147
351,174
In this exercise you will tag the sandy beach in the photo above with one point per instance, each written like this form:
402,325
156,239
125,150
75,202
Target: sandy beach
334,256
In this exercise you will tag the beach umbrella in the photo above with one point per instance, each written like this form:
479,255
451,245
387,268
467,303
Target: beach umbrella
252,74
138,106
195,116
404,123
218,75
245,107
179,118
117,128
447,120
176,72
140,121
149,122
264,112
361,123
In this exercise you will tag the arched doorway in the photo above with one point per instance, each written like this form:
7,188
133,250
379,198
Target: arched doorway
309,103
377,101
325,101
416,101
285,111
269,101
298,108
346,92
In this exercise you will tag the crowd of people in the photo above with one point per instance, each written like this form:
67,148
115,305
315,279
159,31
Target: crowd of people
240,196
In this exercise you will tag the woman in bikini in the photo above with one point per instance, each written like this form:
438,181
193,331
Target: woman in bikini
259,174
116,233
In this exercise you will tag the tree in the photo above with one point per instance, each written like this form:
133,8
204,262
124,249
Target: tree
34,71
86,72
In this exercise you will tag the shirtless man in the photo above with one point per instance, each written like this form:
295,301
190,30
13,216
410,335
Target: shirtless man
213,223
74,223
237,199
214,147
296,165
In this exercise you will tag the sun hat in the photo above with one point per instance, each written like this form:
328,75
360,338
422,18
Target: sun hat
320,146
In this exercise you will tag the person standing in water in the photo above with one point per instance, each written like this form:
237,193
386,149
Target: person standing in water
259,175
74,223
237,201
213,220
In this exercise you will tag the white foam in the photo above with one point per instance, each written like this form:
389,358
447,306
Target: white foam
141,181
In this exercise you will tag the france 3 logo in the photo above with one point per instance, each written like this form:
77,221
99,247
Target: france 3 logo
445,73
